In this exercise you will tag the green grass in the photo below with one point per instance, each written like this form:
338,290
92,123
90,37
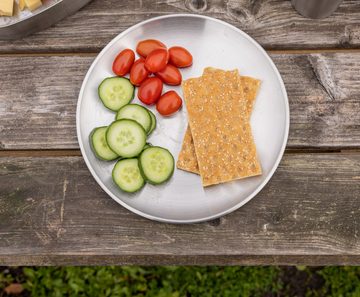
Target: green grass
181,281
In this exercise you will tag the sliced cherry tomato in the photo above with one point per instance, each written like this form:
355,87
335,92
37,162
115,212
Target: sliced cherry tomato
170,75
157,60
123,62
138,72
180,57
145,47
150,90
169,103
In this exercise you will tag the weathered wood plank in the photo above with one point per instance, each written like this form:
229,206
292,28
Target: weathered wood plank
274,24
39,94
53,212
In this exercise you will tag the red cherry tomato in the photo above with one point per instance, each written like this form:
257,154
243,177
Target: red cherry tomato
150,90
123,62
138,72
145,47
170,75
168,103
180,57
157,60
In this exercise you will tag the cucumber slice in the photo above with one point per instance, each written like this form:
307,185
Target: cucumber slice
153,121
137,113
115,92
99,145
127,176
126,138
156,164
147,145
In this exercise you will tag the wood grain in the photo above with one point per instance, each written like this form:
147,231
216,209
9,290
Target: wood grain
274,24
39,96
53,212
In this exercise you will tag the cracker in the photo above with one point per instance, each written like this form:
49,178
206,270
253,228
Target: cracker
220,127
187,158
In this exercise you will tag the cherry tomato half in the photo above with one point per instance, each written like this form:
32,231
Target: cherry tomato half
169,103
123,62
180,57
150,90
145,47
138,72
170,75
157,60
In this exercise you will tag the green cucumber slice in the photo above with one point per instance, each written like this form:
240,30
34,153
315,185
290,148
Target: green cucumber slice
137,113
99,145
126,138
156,164
153,122
115,92
147,145
127,176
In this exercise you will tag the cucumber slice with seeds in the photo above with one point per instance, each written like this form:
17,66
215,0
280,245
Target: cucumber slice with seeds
137,113
127,138
153,121
127,176
156,164
115,92
99,145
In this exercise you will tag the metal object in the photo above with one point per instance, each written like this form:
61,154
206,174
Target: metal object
212,43
26,22
316,9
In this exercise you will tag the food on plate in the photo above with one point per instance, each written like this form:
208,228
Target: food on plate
6,7
187,158
170,75
33,4
126,175
157,60
145,47
156,164
115,92
138,72
180,57
169,103
21,4
154,60
123,62
147,145
126,138
137,113
150,90
99,145
220,127
153,122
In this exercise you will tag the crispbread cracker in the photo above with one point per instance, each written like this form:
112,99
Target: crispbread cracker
220,127
187,158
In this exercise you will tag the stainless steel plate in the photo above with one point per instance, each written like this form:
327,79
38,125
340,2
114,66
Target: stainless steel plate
25,22
212,43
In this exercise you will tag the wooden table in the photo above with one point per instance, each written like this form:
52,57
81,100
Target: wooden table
53,212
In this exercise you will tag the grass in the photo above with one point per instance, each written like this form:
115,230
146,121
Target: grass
179,281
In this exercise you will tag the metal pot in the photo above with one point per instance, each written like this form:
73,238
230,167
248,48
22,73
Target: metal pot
316,9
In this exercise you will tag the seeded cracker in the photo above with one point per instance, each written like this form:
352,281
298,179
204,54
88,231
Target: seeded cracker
220,128
187,158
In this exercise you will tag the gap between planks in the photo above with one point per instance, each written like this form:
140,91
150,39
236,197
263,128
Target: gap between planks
77,152
270,51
